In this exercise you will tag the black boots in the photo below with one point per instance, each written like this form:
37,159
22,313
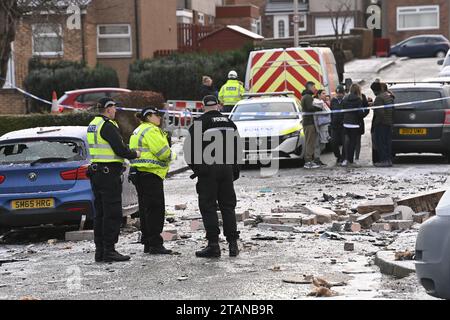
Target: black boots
211,251
98,254
111,255
159,250
234,249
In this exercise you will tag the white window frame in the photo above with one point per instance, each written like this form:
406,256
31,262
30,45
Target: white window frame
416,10
276,21
48,35
306,22
201,18
114,36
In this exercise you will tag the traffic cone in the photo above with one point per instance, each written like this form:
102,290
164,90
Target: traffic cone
55,107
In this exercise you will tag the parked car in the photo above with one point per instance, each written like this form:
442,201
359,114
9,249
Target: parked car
43,178
271,130
425,127
433,251
422,46
86,98
445,62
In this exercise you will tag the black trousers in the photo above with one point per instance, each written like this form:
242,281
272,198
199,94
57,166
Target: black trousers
216,185
107,189
337,140
383,138
152,208
351,136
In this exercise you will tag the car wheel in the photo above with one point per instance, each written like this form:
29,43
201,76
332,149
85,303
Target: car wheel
4,230
441,54
393,55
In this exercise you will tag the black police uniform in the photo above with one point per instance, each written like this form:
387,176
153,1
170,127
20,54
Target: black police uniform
215,182
106,181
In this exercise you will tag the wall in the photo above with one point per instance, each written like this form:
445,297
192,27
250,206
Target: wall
390,14
321,5
204,6
224,40
11,102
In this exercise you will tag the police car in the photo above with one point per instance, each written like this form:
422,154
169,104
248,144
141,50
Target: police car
270,126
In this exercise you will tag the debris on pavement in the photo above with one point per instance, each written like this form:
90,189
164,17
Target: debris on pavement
180,207
380,205
404,255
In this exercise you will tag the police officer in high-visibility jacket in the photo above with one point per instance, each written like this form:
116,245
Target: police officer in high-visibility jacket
108,152
231,93
152,168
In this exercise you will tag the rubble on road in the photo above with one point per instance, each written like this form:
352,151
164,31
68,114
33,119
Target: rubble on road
368,219
426,202
381,205
179,207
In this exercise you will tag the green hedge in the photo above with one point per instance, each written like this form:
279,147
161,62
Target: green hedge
13,123
179,76
62,76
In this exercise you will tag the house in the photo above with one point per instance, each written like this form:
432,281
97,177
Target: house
246,16
402,19
199,12
231,37
113,33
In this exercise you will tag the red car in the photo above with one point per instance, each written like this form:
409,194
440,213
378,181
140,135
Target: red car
86,98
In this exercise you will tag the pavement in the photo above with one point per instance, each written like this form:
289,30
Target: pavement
360,69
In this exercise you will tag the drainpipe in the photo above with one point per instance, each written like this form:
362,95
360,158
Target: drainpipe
137,29
83,51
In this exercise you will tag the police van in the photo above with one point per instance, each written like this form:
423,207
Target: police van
281,70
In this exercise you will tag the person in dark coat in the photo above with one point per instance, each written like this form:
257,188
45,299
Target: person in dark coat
362,126
339,56
207,88
337,125
352,122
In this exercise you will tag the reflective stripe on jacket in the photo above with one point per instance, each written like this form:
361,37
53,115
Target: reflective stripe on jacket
99,148
155,150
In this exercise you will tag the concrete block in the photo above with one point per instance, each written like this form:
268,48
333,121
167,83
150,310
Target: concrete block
379,227
421,217
352,227
285,218
340,212
85,235
179,207
336,227
382,205
405,212
309,221
401,224
241,216
249,222
276,227
343,218
392,216
353,217
349,246
425,202
368,219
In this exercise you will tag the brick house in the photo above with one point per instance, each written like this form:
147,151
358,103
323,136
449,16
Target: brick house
405,18
113,33
199,12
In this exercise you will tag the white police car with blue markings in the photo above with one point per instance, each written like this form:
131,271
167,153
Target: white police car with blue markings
270,126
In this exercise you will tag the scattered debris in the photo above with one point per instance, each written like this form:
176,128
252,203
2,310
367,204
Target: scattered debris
250,222
266,190
84,235
323,215
265,238
331,236
405,212
180,207
368,219
305,279
421,217
276,227
183,278
286,218
355,196
328,197
52,242
169,234
197,225
320,292
349,246
29,298
242,216
275,268
381,227
336,227
401,224
404,255
352,227
2,262
309,221
426,202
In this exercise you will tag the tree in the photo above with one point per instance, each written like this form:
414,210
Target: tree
340,13
12,11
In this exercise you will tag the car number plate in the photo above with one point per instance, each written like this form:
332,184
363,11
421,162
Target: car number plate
413,131
29,204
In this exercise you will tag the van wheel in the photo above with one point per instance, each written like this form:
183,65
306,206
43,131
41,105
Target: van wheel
447,156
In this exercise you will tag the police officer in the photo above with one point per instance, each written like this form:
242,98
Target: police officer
231,93
152,168
216,174
107,151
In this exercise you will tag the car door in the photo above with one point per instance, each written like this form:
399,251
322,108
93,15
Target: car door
413,48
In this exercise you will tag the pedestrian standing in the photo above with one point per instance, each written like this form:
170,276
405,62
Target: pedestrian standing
216,174
152,169
352,121
382,126
337,125
362,126
108,152
308,124
208,88
322,124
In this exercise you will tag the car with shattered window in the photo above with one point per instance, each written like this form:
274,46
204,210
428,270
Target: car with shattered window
43,178
270,128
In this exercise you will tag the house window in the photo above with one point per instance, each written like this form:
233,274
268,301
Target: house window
281,30
417,18
47,40
114,40
302,23
201,19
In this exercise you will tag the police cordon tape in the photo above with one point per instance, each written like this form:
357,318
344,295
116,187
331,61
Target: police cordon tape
187,113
